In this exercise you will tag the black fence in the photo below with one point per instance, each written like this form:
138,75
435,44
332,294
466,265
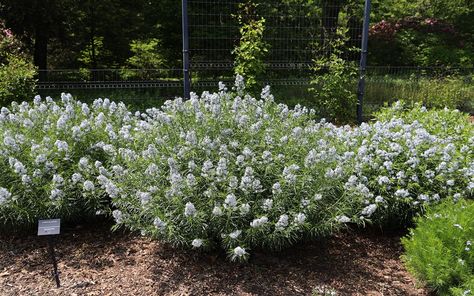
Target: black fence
162,78
297,32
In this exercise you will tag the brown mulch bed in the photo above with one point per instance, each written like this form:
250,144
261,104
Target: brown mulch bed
94,261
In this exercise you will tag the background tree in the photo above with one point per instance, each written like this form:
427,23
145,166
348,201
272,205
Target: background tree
62,33
17,72
37,21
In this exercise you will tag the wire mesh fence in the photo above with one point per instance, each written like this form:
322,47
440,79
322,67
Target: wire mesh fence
297,33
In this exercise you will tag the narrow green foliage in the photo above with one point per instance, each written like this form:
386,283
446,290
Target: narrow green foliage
456,91
439,251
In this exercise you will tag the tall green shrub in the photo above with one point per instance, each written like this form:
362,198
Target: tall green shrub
17,82
333,82
17,73
146,59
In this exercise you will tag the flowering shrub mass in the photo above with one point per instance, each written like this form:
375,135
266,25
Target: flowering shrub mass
399,167
229,170
54,156
410,158
446,123
226,170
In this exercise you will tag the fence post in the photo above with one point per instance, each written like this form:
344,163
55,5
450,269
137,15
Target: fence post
363,61
187,82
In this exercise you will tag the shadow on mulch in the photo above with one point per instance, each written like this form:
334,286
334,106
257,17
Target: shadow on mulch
95,261
354,263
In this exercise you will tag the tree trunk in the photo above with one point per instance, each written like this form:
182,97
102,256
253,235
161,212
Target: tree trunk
41,49
331,9
330,18
41,26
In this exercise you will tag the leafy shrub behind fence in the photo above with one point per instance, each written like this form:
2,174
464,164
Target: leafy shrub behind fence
17,80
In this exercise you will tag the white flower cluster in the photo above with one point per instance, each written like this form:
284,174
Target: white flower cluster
52,153
400,165
4,195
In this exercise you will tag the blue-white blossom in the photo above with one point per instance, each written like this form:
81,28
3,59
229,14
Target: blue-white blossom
189,209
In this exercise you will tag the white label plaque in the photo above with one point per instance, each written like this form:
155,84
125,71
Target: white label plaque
49,227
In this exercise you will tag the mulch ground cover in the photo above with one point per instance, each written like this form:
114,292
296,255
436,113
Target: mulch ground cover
95,261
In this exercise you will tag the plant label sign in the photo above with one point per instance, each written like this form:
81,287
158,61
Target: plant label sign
49,227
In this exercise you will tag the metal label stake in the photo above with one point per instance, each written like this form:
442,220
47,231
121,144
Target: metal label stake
49,228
